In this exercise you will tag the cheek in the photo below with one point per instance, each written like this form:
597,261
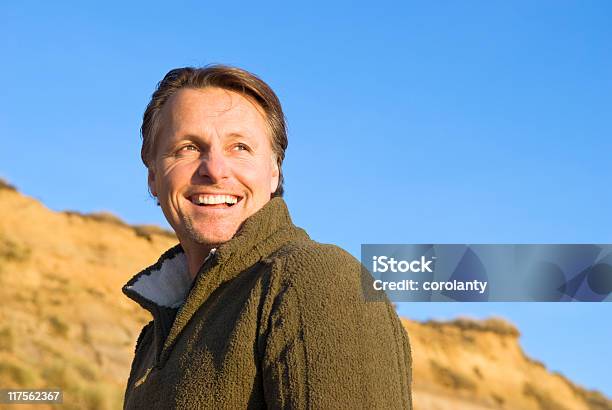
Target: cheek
255,175
172,179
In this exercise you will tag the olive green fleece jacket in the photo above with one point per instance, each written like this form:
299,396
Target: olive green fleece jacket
272,320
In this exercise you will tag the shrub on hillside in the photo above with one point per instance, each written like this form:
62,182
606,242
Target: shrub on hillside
7,340
13,251
58,326
14,374
148,231
6,185
450,378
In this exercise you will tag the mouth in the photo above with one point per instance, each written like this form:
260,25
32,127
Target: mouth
214,200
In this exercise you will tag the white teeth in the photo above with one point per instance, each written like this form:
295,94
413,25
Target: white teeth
214,199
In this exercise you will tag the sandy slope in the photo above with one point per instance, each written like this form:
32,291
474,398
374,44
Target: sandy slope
64,322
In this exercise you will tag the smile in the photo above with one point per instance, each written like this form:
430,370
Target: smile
214,200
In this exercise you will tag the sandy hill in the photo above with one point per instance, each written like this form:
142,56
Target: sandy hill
64,322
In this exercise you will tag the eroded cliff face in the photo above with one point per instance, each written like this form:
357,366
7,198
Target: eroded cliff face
65,323
63,319
471,364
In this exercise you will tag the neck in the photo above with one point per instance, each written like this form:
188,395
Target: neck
196,255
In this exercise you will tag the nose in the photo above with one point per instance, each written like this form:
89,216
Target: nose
213,165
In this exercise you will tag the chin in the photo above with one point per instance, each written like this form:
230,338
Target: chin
205,234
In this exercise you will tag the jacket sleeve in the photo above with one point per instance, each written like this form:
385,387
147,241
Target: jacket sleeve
326,347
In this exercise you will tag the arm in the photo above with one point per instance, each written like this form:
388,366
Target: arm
325,347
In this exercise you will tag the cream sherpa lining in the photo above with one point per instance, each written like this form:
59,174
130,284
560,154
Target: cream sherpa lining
168,285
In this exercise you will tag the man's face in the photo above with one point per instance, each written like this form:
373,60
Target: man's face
214,166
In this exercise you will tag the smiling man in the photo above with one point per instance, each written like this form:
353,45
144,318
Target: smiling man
248,311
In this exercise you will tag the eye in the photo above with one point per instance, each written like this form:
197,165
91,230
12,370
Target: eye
186,148
240,147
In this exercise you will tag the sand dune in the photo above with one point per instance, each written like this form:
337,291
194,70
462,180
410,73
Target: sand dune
64,322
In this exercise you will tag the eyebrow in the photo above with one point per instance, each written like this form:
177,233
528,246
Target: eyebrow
231,136
240,135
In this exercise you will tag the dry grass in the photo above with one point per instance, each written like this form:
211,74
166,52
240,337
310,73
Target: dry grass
451,379
6,185
148,231
543,399
495,325
101,396
83,388
7,340
103,216
499,400
13,251
13,374
143,231
594,399
58,326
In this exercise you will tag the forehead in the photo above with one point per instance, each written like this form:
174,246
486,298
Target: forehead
203,107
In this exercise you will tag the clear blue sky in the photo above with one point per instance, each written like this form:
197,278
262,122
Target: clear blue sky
428,122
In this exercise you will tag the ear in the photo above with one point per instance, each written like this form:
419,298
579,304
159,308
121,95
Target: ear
151,182
275,176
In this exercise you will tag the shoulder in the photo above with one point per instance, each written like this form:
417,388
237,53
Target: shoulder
302,259
308,252
315,271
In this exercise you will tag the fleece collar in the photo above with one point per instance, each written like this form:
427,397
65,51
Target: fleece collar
167,283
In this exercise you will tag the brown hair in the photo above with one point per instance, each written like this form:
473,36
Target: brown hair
221,76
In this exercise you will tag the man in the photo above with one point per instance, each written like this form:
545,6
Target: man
248,311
